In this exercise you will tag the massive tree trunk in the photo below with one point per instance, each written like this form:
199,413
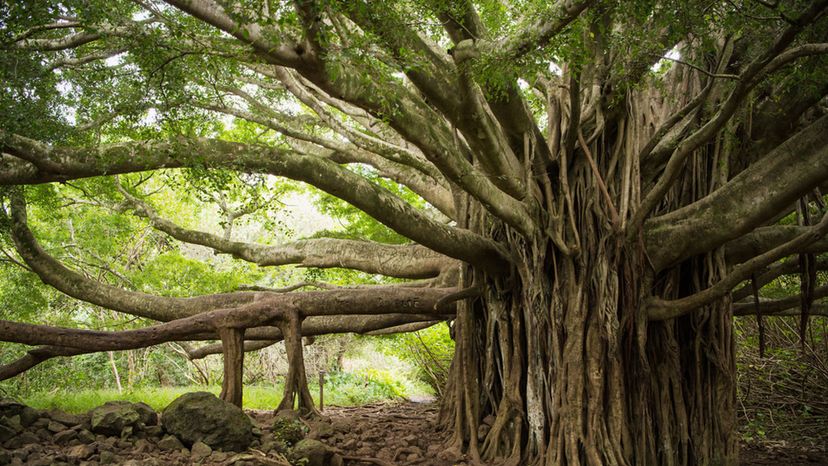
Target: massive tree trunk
559,364
574,373
593,315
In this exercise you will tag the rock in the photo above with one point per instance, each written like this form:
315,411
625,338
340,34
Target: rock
80,452
5,457
113,417
41,422
154,431
201,416
170,442
219,456
321,430
341,425
288,414
142,446
148,415
64,437
85,436
313,451
56,427
373,436
337,460
349,444
106,443
24,438
9,427
28,416
107,457
271,444
124,444
200,451
65,418
287,429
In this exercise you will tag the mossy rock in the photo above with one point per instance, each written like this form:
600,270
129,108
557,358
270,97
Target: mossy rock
113,417
287,430
201,416
310,453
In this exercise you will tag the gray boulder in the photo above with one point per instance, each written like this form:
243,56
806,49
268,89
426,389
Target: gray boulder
313,452
9,427
201,416
112,417
66,418
170,442
9,408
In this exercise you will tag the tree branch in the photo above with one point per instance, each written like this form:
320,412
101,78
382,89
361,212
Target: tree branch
751,198
402,261
534,34
660,309
777,270
65,164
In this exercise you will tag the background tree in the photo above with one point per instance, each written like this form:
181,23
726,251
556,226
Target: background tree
592,180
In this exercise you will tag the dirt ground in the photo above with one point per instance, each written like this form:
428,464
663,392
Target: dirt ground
405,434
380,434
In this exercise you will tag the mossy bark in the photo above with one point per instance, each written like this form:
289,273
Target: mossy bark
232,343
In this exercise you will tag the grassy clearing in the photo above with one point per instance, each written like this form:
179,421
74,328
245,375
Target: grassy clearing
341,390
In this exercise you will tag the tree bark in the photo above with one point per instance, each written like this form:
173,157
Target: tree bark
296,392
232,342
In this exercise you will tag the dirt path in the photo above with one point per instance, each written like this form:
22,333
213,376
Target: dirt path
405,434
397,434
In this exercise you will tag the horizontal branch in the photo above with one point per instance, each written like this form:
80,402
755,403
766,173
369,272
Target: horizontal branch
751,198
660,309
763,239
53,273
773,306
312,326
818,310
534,34
216,348
33,357
402,261
315,326
51,164
777,270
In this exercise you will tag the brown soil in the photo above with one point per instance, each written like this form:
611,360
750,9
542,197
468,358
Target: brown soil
398,434
389,431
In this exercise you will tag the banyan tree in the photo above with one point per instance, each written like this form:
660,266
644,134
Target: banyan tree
593,179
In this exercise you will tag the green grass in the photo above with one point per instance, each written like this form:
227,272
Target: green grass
76,401
340,391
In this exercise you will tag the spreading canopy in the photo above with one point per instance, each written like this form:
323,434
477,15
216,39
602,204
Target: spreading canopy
495,142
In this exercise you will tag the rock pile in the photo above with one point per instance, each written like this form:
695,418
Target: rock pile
197,428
